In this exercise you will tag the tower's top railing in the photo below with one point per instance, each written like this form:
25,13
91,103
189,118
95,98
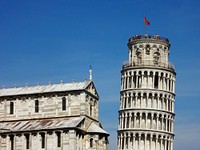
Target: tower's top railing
156,37
148,63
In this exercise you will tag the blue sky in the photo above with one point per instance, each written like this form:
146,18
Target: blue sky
53,40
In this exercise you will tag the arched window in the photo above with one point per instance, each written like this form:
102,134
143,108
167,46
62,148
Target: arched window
36,106
58,139
27,136
42,140
11,108
156,58
139,57
11,142
90,109
63,103
148,49
91,142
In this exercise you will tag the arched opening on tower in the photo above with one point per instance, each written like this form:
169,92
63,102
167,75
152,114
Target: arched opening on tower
134,79
156,58
156,81
139,57
147,49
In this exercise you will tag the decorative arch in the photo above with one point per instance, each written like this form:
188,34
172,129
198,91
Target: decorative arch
63,103
147,49
91,142
156,58
139,57
36,106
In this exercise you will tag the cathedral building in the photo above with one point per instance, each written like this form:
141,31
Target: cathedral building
61,116
146,114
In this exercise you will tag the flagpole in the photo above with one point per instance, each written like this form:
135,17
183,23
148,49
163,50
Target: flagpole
146,22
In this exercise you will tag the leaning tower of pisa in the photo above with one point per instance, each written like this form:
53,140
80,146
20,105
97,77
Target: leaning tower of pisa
146,114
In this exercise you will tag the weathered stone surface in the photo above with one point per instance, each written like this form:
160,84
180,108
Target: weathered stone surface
52,117
146,115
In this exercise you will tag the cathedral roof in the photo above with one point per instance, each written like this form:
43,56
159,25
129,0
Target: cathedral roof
44,88
42,124
93,128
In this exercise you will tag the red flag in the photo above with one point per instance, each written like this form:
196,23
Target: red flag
146,21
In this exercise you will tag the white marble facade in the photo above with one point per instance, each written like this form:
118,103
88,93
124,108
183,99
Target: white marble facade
146,114
52,117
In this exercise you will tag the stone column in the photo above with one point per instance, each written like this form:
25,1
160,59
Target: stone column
125,146
167,99
121,138
161,82
125,120
146,120
118,142
150,142
136,100
134,122
139,139
137,80
172,127
161,143
162,122
162,102
141,100
131,80
157,117
151,121
19,142
128,85
129,141
172,105
164,82
123,82
171,141
122,121
165,146
133,141
145,136
156,143
169,104
72,140
8,143
131,97
168,80
167,129
124,101
157,99
140,120
153,78
142,80
147,79
130,120
4,142
51,141
35,142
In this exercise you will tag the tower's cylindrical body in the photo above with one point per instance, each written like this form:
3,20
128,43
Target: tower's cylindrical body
146,115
